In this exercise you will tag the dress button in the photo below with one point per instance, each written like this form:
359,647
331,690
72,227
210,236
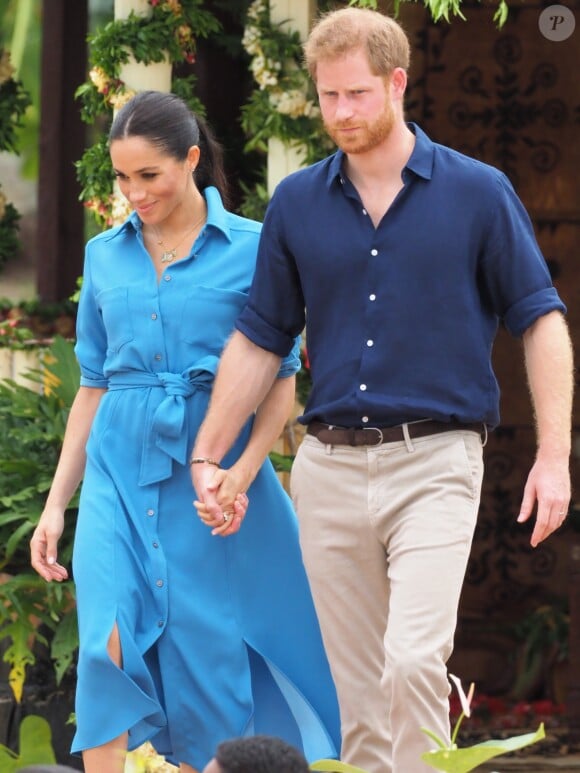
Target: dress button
150,512
159,583
160,623
363,387
155,544
372,297
167,277
158,357
374,252
370,342
154,316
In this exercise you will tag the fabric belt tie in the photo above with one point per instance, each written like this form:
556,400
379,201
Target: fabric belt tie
165,436
376,436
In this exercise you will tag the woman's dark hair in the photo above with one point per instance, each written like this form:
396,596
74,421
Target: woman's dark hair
260,754
167,122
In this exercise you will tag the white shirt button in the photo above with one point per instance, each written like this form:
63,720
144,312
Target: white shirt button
363,387
370,342
372,297
374,252
364,212
365,419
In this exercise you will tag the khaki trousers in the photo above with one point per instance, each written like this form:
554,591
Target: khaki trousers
386,533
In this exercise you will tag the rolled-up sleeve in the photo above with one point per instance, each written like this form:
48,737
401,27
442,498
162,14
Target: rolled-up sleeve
91,344
274,315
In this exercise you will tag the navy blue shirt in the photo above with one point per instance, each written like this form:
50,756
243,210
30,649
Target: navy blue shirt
400,319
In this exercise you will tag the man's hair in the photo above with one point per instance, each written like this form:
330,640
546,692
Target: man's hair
260,754
339,32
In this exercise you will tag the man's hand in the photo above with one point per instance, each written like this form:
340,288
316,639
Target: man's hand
548,484
219,505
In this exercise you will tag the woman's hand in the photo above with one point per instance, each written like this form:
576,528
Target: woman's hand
43,545
226,487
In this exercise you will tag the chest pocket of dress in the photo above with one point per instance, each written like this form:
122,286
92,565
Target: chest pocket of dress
208,316
116,313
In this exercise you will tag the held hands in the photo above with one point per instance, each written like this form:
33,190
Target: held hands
43,545
549,484
222,503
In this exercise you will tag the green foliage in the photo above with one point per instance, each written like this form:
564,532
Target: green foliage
13,103
543,637
454,760
9,243
33,421
334,766
95,173
283,104
150,38
281,462
35,746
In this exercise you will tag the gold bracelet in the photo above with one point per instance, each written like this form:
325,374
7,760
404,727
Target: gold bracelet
204,460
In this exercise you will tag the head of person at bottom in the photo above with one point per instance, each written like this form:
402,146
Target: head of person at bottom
257,754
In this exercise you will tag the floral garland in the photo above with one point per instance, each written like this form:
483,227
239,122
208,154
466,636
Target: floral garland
283,104
168,33
13,103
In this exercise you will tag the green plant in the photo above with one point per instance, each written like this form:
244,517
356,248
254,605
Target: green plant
543,638
13,103
284,103
31,321
33,420
35,746
450,758
334,766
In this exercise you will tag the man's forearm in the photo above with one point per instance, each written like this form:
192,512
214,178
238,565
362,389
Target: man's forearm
245,375
549,365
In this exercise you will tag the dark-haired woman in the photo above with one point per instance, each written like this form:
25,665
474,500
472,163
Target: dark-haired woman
186,639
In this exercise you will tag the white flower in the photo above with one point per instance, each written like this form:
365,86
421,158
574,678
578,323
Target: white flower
256,9
251,40
464,699
264,71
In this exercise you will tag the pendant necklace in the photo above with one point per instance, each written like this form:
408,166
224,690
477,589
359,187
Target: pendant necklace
169,255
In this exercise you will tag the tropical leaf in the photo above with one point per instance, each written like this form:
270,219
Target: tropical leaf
335,766
463,760
35,745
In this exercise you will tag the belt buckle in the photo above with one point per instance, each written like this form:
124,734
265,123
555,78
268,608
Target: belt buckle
380,441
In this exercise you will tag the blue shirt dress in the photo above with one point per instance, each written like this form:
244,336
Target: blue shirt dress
219,636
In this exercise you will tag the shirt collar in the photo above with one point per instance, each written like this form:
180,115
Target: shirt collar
420,162
217,215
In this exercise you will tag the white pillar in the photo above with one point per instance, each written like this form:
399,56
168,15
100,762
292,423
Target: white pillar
282,158
137,75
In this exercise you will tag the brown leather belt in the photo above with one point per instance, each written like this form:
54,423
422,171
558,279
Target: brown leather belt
375,436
